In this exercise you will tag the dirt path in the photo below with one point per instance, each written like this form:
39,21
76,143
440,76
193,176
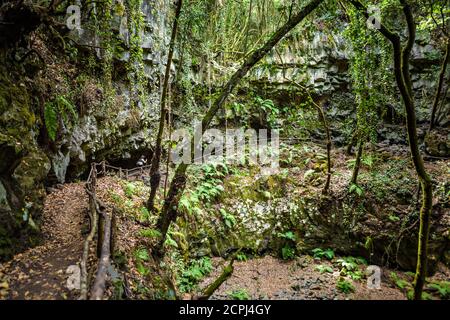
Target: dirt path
40,272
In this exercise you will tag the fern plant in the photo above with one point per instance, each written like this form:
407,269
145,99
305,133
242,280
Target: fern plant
53,110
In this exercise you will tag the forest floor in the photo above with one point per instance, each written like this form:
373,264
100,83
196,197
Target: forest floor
41,272
302,279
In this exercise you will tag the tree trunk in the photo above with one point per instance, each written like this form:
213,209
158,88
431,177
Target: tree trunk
169,211
403,79
357,162
155,175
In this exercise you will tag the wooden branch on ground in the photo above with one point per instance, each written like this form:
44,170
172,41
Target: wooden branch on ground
99,286
209,290
83,264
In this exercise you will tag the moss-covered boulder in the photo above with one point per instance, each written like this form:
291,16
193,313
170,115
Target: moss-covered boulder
23,168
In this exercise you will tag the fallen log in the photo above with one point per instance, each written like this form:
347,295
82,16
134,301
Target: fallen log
226,273
99,286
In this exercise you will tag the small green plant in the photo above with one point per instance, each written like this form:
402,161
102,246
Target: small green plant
60,107
240,294
355,189
344,286
169,242
442,287
141,255
150,233
322,268
319,253
287,253
144,215
130,190
400,283
393,218
241,256
228,218
350,267
287,235
196,270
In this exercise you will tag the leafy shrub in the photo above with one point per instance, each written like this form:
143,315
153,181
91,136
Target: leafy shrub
150,233
287,253
130,189
320,253
196,270
400,283
60,107
442,287
344,286
240,294
354,188
287,235
228,218
322,268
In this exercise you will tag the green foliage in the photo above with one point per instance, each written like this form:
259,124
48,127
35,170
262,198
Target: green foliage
150,233
323,268
241,256
370,73
56,109
399,282
344,286
320,253
257,110
240,294
141,255
287,235
270,111
228,218
118,289
287,253
393,218
209,188
51,120
144,215
356,189
169,242
425,295
130,189
350,267
196,270
442,287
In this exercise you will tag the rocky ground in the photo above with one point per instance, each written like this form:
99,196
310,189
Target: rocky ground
301,279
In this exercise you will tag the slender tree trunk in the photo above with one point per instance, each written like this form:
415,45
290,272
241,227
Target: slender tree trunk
403,79
176,188
349,148
155,175
357,162
439,87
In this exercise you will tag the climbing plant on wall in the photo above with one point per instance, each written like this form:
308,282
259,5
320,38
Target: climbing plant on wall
135,66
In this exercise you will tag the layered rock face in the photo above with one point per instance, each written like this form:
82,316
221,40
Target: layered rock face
29,160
